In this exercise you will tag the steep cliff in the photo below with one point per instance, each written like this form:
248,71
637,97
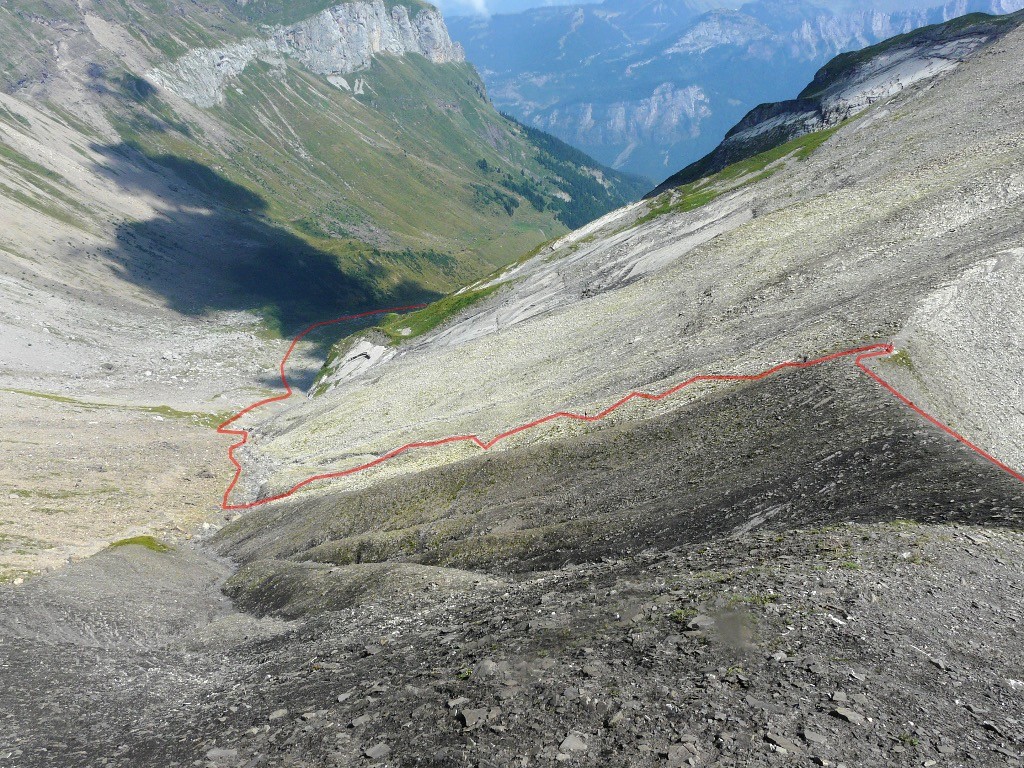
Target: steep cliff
337,41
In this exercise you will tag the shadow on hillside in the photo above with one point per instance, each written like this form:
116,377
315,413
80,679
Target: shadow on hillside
213,249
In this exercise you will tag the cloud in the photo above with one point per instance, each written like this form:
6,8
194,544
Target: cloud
477,7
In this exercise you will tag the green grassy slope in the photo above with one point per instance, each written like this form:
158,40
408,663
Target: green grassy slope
419,162
411,187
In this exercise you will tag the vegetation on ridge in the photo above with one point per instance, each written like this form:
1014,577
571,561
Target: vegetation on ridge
844,64
400,328
699,193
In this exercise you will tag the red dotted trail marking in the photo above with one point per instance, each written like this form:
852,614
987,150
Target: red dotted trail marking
860,355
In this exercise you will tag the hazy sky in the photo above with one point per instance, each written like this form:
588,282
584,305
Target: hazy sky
487,7
461,7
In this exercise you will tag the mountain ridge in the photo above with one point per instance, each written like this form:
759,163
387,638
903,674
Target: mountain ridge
579,72
848,85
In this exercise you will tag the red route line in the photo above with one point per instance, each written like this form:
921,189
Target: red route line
860,353
889,349
244,434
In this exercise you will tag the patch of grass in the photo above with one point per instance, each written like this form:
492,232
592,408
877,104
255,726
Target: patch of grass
150,543
699,193
914,558
23,493
9,116
682,615
47,396
850,565
910,741
902,359
72,121
11,575
757,599
715,577
399,328
212,420
15,157
59,214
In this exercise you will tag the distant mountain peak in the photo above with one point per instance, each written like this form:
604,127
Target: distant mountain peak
589,83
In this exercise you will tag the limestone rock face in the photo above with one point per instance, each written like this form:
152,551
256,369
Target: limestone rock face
877,79
201,75
337,41
847,86
345,38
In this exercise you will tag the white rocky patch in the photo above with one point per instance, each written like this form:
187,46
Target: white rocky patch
720,29
359,358
966,352
889,74
810,121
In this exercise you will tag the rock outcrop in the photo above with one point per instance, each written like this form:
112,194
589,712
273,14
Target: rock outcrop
345,38
335,42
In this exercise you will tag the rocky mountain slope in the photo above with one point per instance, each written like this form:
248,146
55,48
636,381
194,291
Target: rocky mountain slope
666,289
796,570
877,229
183,183
652,87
